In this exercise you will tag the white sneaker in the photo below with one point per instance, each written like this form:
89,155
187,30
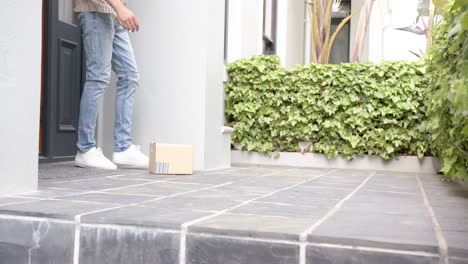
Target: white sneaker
131,158
94,158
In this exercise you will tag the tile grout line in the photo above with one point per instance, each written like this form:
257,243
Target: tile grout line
459,258
78,226
77,222
102,191
53,188
125,194
77,242
94,177
114,177
443,248
76,249
186,183
22,202
79,193
392,192
182,193
130,227
303,235
85,179
324,245
302,253
135,179
156,199
335,208
78,217
52,198
396,251
138,185
374,249
282,204
130,174
184,227
333,188
34,218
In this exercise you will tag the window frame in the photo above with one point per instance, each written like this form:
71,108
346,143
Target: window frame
269,42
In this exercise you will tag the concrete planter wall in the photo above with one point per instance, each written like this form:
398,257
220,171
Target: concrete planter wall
463,183
403,164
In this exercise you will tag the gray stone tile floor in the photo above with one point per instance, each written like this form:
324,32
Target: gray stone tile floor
244,214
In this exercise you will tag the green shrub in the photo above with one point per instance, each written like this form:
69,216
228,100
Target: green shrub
348,109
448,96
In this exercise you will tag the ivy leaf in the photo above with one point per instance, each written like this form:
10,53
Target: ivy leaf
442,4
347,109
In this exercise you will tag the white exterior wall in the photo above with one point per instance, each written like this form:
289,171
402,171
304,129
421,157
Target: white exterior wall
20,83
291,32
383,40
245,29
217,145
396,43
179,51
245,25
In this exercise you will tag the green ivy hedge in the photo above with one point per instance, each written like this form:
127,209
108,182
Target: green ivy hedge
448,96
347,109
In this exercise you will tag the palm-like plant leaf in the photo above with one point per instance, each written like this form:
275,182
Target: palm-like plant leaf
326,28
320,13
338,29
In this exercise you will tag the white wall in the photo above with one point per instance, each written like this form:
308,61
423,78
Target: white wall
245,25
245,29
20,83
217,145
179,51
396,43
290,38
383,40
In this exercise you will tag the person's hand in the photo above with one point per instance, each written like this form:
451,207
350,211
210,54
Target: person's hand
127,19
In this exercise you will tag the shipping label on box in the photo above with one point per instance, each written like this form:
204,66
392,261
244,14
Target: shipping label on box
171,159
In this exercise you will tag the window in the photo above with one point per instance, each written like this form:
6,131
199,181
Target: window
226,29
269,26
340,50
65,12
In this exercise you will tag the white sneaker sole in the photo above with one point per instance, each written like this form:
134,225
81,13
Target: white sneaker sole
128,165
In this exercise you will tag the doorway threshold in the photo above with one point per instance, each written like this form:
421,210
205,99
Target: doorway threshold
43,159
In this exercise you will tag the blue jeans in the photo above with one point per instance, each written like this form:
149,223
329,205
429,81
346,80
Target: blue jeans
107,46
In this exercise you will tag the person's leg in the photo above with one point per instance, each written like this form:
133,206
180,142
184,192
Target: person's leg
98,33
125,67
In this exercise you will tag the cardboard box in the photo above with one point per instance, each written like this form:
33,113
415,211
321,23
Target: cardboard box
170,159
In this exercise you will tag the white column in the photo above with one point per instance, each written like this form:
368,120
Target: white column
235,30
20,83
217,146
295,48
179,52
245,28
282,31
290,32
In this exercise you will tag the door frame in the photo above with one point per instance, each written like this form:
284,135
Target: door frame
50,9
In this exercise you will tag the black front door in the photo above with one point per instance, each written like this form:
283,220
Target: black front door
62,79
